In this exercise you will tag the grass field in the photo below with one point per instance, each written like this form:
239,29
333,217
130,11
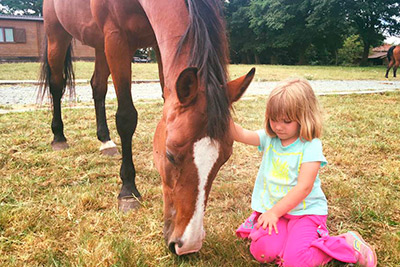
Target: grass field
84,70
59,208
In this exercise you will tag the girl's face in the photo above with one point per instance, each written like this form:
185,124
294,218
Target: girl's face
286,130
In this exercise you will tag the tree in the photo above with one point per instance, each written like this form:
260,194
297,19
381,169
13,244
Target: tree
21,7
291,27
352,51
330,27
243,45
371,19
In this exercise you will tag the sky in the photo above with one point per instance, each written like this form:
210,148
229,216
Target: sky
393,40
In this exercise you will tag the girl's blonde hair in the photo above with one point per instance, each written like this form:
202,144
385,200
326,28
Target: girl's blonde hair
295,100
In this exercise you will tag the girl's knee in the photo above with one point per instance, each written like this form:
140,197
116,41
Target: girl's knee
264,251
267,247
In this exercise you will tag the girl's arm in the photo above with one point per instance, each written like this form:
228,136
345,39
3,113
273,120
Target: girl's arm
243,135
308,173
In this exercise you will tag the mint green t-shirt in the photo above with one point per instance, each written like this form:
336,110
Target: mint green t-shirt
278,174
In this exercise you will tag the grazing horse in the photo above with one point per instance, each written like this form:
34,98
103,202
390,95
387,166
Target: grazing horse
192,139
393,56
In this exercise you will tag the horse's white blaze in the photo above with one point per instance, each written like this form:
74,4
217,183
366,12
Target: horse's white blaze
108,144
205,153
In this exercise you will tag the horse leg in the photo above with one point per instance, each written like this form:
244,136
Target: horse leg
395,68
56,53
119,60
388,68
160,68
99,88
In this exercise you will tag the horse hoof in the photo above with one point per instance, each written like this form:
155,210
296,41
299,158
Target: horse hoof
109,148
111,152
126,204
59,145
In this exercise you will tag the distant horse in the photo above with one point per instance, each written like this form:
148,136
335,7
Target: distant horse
393,56
192,139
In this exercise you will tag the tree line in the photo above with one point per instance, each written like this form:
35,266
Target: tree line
320,32
308,31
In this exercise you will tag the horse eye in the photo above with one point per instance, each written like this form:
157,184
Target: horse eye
170,157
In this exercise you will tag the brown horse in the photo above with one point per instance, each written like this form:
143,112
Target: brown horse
192,139
393,56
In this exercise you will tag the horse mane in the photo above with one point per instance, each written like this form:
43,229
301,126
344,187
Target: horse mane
209,53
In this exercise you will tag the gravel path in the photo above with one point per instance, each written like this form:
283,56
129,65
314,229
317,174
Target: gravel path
22,94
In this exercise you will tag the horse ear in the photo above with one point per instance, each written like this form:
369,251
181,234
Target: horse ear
187,85
237,87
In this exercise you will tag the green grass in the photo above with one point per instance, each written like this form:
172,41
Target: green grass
60,208
84,70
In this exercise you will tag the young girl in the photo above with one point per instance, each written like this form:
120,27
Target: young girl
288,224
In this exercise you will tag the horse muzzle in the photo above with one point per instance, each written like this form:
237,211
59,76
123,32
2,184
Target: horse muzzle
189,245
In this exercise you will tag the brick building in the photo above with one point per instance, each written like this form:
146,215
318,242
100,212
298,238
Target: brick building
21,39
378,56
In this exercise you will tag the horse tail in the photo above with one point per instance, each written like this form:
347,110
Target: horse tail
45,74
390,53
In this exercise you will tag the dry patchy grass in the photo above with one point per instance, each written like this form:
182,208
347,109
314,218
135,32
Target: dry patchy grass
280,72
59,208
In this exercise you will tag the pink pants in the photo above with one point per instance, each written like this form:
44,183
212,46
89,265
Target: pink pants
301,241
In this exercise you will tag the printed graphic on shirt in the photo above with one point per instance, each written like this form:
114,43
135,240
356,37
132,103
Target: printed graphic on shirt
278,181
279,173
280,170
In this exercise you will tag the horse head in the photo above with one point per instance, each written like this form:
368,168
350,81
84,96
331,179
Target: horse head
188,159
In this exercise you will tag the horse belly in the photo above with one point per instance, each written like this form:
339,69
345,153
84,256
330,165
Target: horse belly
127,16
141,34
76,18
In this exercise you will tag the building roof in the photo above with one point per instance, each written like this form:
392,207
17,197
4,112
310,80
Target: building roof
380,51
377,55
382,48
24,17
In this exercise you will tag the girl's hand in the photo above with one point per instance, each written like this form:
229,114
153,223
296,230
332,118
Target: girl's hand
268,219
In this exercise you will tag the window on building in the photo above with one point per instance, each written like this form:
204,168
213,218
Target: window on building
6,35
11,35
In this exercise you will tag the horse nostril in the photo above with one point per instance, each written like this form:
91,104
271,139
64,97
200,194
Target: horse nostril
171,247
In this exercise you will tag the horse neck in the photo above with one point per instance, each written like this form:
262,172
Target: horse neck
168,31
